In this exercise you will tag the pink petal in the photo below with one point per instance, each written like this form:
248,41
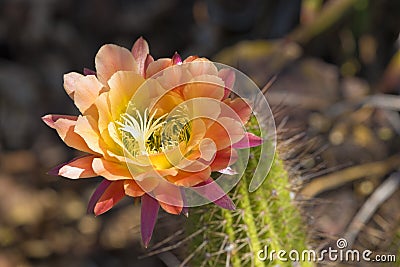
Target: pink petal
156,66
77,168
140,50
149,59
213,192
169,197
249,140
112,58
176,59
51,119
111,196
83,89
87,71
148,217
97,194
228,76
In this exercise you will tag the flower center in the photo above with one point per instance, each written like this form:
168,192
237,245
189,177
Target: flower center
145,134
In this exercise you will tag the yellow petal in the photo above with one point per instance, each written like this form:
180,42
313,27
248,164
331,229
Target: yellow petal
123,85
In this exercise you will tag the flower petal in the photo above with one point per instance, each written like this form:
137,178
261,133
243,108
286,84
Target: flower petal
223,159
213,192
123,85
65,126
87,71
248,140
97,194
204,86
241,108
225,131
169,197
157,66
111,170
112,58
185,208
188,179
176,59
148,217
140,50
84,89
132,188
70,83
86,127
111,196
77,168
149,59
228,76
202,66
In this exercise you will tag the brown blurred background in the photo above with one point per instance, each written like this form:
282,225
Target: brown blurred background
330,59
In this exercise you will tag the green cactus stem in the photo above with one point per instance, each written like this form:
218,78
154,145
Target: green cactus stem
266,218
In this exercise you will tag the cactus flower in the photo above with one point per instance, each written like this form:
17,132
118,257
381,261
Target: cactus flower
150,128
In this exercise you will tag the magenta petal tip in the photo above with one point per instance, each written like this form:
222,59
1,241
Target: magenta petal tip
148,217
176,59
87,71
249,140
226,203
54,171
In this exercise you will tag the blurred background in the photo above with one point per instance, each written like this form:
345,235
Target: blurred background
336,71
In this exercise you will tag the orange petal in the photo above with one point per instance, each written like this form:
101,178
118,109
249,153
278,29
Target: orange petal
190,59
132,188
171,209
202,66
77,168
204,86
112,58
111,196
242,109
85,89
168,102
65,126
111,170
225,132
188,179
86,127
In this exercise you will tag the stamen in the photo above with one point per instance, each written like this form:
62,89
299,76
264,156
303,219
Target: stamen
140,128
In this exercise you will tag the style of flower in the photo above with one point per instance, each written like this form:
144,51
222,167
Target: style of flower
151,128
